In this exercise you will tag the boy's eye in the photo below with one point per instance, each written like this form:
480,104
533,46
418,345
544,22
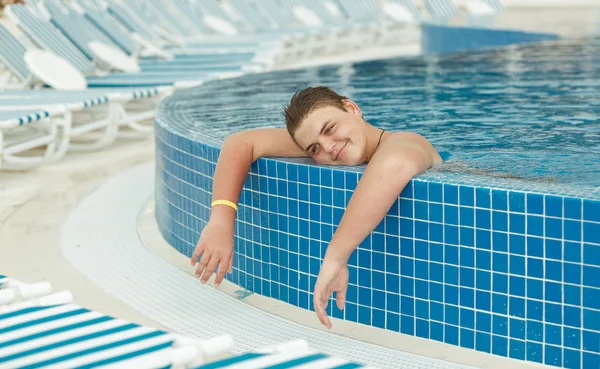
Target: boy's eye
314,149
329,128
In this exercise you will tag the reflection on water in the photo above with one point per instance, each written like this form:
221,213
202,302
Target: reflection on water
530,111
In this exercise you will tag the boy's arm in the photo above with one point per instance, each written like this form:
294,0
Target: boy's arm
238,152
384,178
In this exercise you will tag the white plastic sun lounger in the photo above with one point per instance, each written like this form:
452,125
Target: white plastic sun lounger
68,60
133,46
82,33
402,10
30,138
131,108
135,23
441,9
41,329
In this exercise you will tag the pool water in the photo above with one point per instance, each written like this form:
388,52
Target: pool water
530,112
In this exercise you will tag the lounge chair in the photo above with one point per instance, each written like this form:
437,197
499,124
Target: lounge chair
42,329
17,142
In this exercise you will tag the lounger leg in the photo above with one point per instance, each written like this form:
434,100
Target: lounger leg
108,127
133,121
56,142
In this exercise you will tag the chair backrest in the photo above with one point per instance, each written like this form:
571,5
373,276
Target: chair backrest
497,5
48,37
193,13
133,22
107,24
277,12
253,17
441,9
214,8
76,27
361,10
182,26
411,7
12,53
321,10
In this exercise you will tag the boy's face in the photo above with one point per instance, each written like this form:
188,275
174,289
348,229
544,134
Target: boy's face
333,136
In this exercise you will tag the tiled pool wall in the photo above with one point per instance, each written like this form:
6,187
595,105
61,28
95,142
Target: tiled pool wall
512,273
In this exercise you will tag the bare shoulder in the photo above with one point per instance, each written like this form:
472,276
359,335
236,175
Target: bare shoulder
412,144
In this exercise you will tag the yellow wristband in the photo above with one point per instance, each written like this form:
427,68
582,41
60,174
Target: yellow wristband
225,202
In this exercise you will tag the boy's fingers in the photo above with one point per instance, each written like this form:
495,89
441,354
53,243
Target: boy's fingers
230,268
202,264
210,268
199,249
340,299
320,308
221,272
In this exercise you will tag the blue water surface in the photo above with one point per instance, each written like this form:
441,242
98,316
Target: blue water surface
529,111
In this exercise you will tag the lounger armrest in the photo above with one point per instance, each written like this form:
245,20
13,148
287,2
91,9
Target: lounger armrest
398,12
151,48
114,57
54,70
478,7
219,25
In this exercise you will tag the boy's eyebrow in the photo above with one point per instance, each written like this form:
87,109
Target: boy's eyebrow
320,133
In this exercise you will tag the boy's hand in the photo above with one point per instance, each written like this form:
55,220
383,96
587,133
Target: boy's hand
216,247
332,277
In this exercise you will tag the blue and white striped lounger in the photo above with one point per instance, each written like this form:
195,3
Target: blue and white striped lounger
52,39
107,24
70,336
411,7
133,21
441,9
19,149
81,32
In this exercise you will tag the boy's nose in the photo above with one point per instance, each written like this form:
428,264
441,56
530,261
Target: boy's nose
329,146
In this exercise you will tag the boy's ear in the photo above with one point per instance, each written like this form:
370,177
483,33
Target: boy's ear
352,107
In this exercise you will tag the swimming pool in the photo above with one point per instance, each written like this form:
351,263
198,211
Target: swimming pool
497,249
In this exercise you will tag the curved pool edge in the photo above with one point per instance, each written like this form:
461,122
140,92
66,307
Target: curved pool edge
462,263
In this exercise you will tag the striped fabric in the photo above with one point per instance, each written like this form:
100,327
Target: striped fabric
214,8
70,336
11,118
282,360
109,26
249,13
361,10
133,80
411,7
12,53
321,11
131,21
44,34
77,28
177,24
276,12
192,14
441,9
496,4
